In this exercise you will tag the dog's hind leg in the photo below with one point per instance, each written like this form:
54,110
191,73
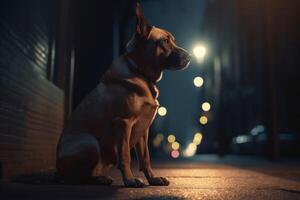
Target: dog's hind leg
100,173
77,158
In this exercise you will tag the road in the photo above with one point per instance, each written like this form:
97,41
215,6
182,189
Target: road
199,178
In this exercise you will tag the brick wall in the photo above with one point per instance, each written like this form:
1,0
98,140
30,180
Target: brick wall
31,106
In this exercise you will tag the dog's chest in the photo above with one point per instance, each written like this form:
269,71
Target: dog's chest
145,118
147,112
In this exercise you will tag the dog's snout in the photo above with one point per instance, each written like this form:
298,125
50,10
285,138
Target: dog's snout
189,57
178,59
185,58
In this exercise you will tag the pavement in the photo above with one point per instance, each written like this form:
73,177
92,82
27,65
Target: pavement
203,177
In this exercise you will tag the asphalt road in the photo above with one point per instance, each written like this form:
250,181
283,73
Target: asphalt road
200,178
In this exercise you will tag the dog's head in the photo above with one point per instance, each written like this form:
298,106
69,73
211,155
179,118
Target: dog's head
157,45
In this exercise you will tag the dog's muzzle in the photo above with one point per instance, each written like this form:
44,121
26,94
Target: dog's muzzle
178,59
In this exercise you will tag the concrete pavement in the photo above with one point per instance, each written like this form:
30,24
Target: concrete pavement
209,178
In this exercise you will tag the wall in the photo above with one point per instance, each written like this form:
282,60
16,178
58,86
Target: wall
31,106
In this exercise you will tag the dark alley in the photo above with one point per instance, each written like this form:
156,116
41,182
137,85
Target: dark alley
162,99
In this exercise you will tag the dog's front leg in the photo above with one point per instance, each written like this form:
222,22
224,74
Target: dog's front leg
144,162
123,129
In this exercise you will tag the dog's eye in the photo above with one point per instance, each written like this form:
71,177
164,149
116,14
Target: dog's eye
165,40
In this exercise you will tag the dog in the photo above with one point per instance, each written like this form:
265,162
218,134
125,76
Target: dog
117,114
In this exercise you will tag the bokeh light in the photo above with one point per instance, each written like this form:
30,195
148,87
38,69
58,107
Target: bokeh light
198,81
197,138
156,143
160,136
175,145
192,146
190,150
162,111
171,138
199,52
203,120
157,140
206,106
175,154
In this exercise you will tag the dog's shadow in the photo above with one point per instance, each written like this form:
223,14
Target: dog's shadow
50,178
57,190
45,186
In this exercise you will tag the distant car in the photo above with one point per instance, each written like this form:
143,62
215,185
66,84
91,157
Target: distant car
255,142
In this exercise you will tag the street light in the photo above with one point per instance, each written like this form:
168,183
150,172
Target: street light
175,145
190,150
162,111
197,138
203,120
206,106
175,154
198,81
171,138
199,52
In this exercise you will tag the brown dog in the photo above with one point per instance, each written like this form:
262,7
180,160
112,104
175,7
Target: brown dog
117,114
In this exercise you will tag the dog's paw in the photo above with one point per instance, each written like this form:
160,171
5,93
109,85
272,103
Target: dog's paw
102,180
136,183
158,181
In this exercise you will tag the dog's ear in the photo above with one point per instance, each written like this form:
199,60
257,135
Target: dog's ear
142,26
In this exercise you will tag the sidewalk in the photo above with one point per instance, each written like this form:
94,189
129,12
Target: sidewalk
201,178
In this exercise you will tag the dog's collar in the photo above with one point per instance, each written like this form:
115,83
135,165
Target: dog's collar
134,66
151,84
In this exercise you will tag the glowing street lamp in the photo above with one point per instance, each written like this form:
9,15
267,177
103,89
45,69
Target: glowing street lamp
197,138
158,139
160,136
175,145
171,138
203,120
206,106
199,52
198,81
175,154
162,111
190,150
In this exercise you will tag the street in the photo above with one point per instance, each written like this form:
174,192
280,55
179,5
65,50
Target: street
206,177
